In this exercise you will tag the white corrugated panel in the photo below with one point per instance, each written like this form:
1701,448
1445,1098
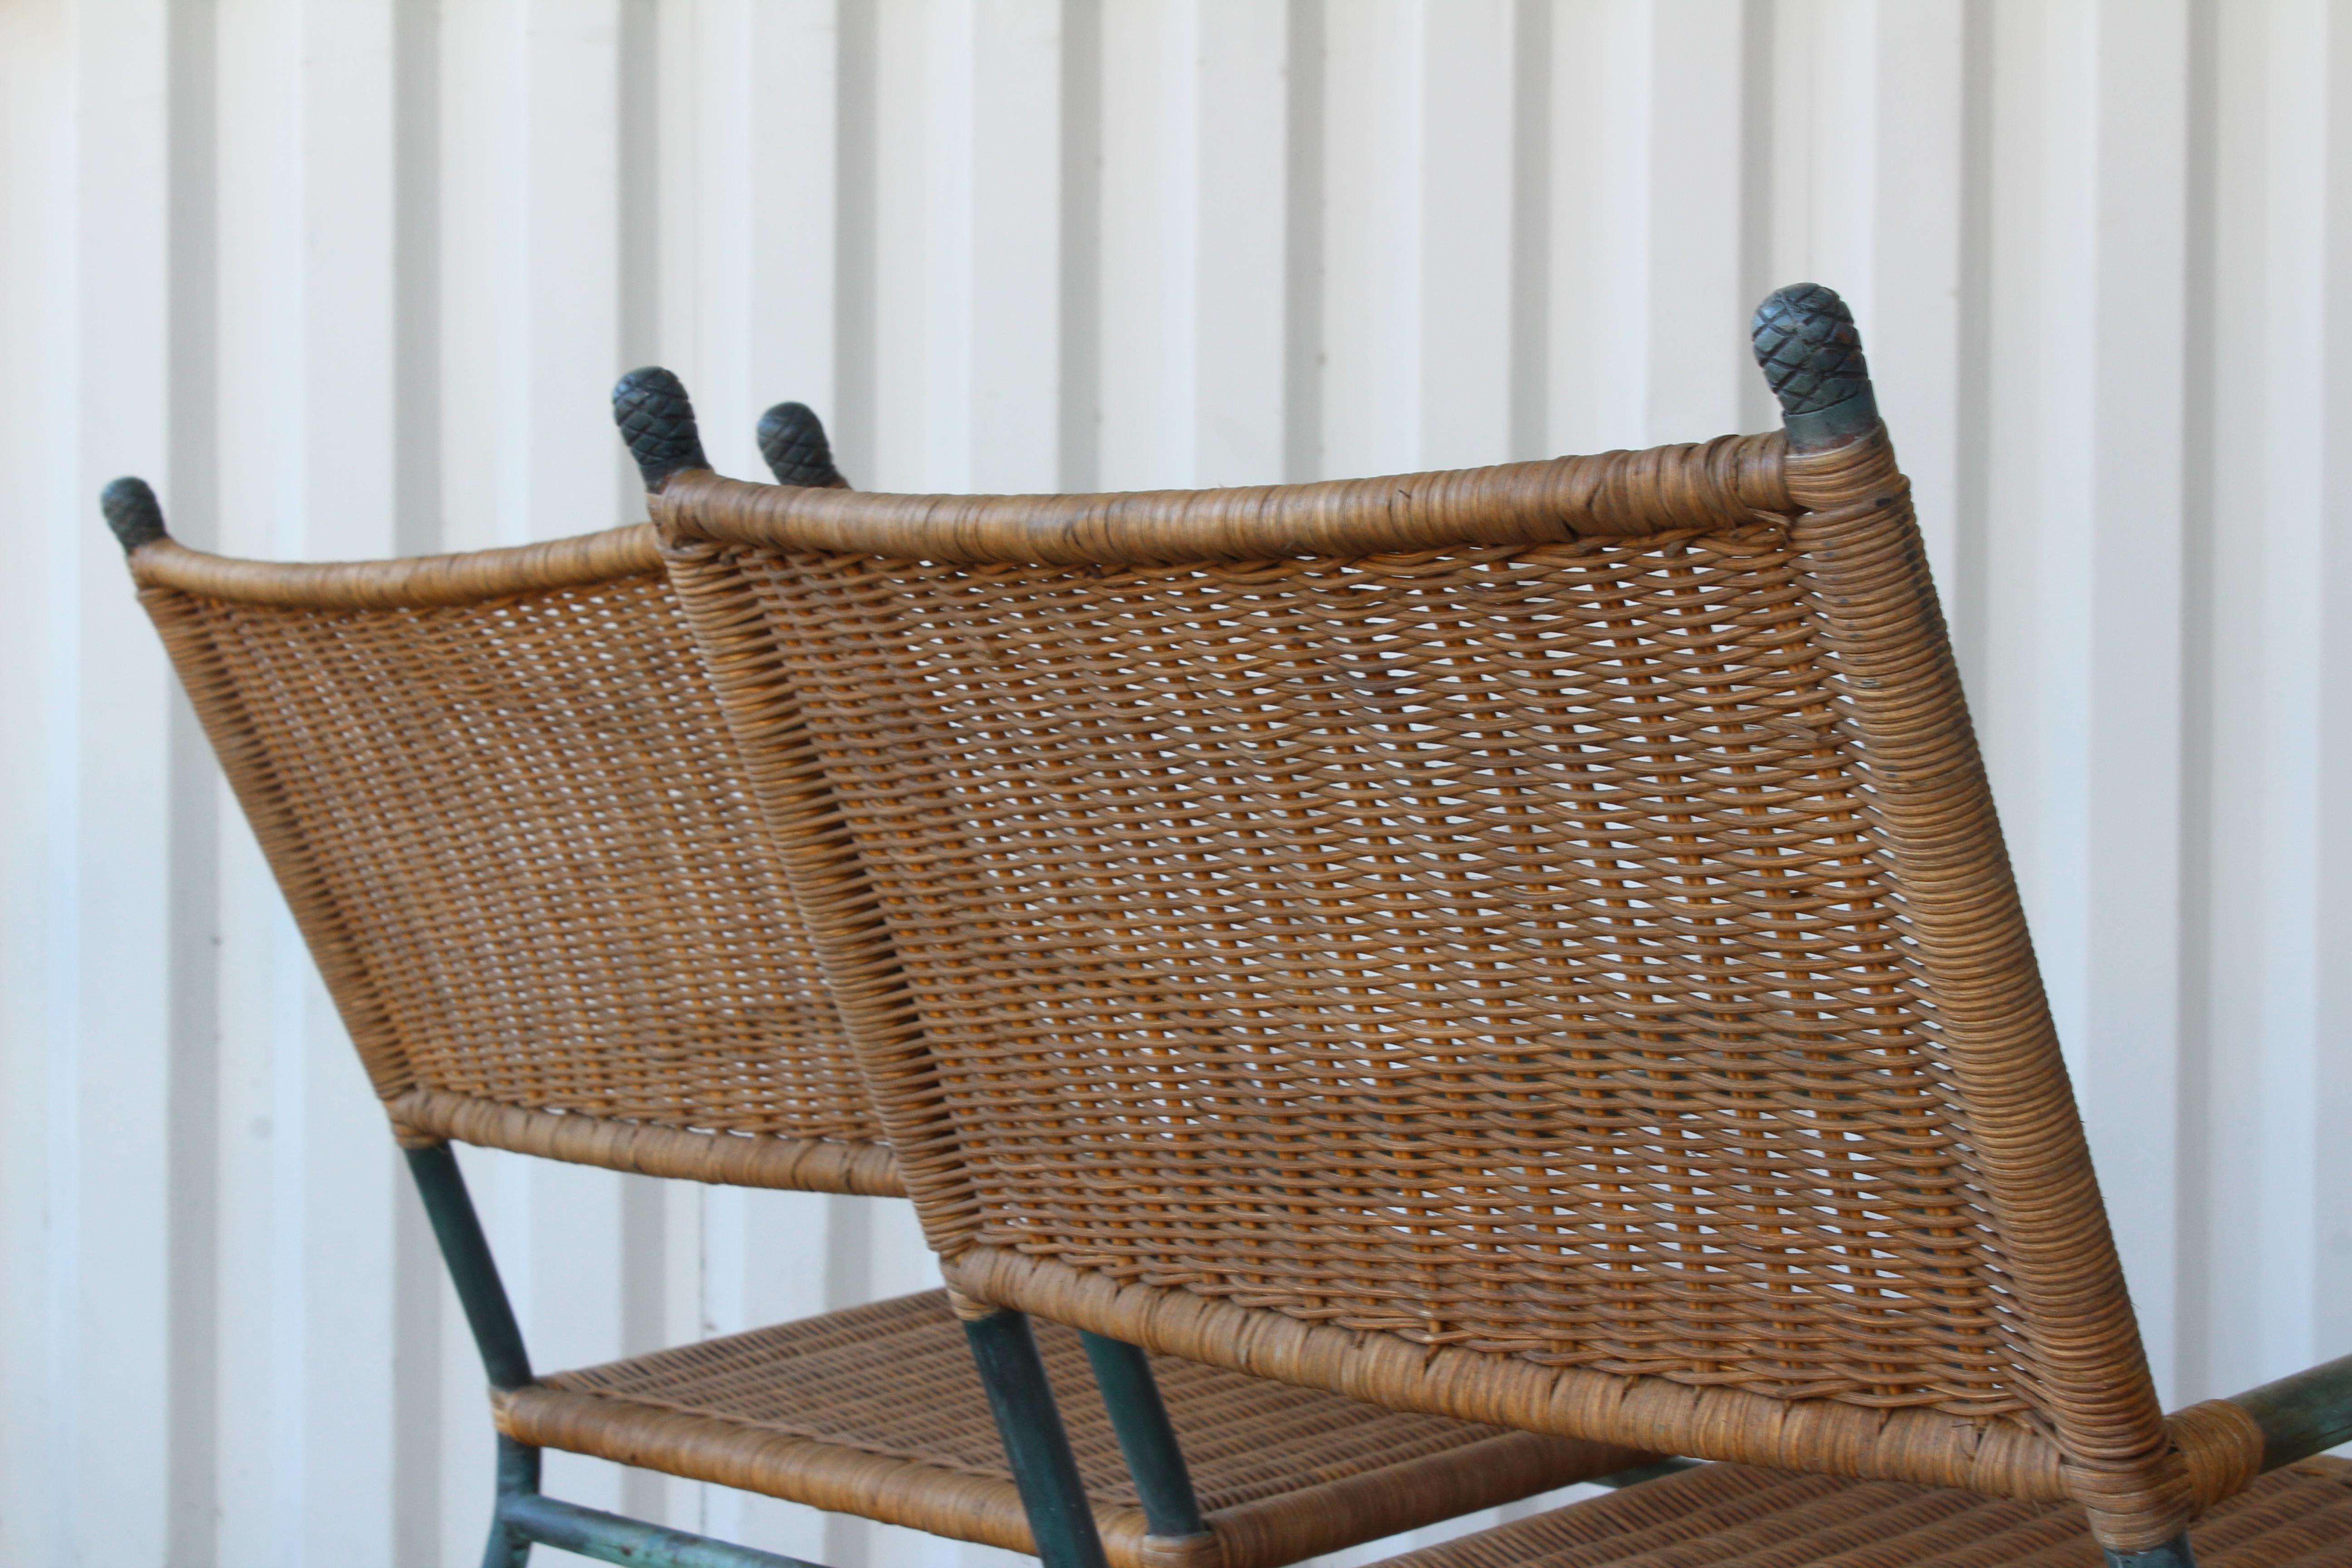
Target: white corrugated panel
346,278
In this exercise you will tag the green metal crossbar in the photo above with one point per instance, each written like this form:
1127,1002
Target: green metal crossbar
608,1538
2306,1414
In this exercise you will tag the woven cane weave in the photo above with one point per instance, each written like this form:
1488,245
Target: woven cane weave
1732,1516
507,808
1547,920
889,1389
1372,892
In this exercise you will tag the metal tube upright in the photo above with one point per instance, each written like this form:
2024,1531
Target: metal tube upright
656,420
1139,1417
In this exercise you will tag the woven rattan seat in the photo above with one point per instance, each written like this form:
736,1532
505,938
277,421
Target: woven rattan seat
1736,1516
1530,943
880,1402
498,792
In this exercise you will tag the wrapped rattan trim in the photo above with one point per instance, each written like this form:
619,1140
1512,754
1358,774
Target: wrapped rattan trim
1649,1414
827,877
2221,1444
729,1159
822,1475
1611,496
413,582
1872,598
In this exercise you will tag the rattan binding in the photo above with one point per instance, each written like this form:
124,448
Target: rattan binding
1531,943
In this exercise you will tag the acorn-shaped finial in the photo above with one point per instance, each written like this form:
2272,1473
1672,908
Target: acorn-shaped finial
792,438
657,419
132,513
1812,357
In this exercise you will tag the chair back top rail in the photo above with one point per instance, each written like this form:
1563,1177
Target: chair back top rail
1530,943
407,583
1616,495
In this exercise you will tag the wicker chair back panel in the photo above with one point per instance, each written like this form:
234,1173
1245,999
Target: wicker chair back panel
547,866
1485,946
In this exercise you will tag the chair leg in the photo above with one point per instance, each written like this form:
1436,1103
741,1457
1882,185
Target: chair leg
1138,1416
522,1515
1035,1442
518,1476
2173,1554
475,1273
466,1251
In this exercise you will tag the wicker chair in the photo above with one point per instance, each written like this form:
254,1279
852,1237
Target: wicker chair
1531,944
497,791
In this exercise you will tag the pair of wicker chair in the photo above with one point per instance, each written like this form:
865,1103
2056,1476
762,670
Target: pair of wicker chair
1450,984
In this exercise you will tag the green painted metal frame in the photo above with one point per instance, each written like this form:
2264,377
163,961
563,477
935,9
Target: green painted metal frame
609,1538
1035,1442
2307,1413
1139,1417
1004,1348
523,1516
1656,1469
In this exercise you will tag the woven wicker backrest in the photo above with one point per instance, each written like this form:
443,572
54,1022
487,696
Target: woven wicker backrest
497,793
1532,942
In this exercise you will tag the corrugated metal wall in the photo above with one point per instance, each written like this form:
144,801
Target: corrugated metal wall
347,278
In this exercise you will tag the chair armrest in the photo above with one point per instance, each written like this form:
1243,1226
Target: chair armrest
2302,1414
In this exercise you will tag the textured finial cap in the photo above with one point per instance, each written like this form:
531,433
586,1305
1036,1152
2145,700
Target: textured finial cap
657,419
132,513
792,438
1811,358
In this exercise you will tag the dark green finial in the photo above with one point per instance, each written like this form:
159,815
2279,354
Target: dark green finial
1811,358
132,513
657,419
792,438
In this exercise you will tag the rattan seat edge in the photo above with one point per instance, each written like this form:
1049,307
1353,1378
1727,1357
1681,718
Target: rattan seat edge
869,1410
1740,1516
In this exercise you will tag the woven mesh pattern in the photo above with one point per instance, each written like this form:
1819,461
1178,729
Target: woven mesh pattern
895,1378
1486,947
1734,1516
530,802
